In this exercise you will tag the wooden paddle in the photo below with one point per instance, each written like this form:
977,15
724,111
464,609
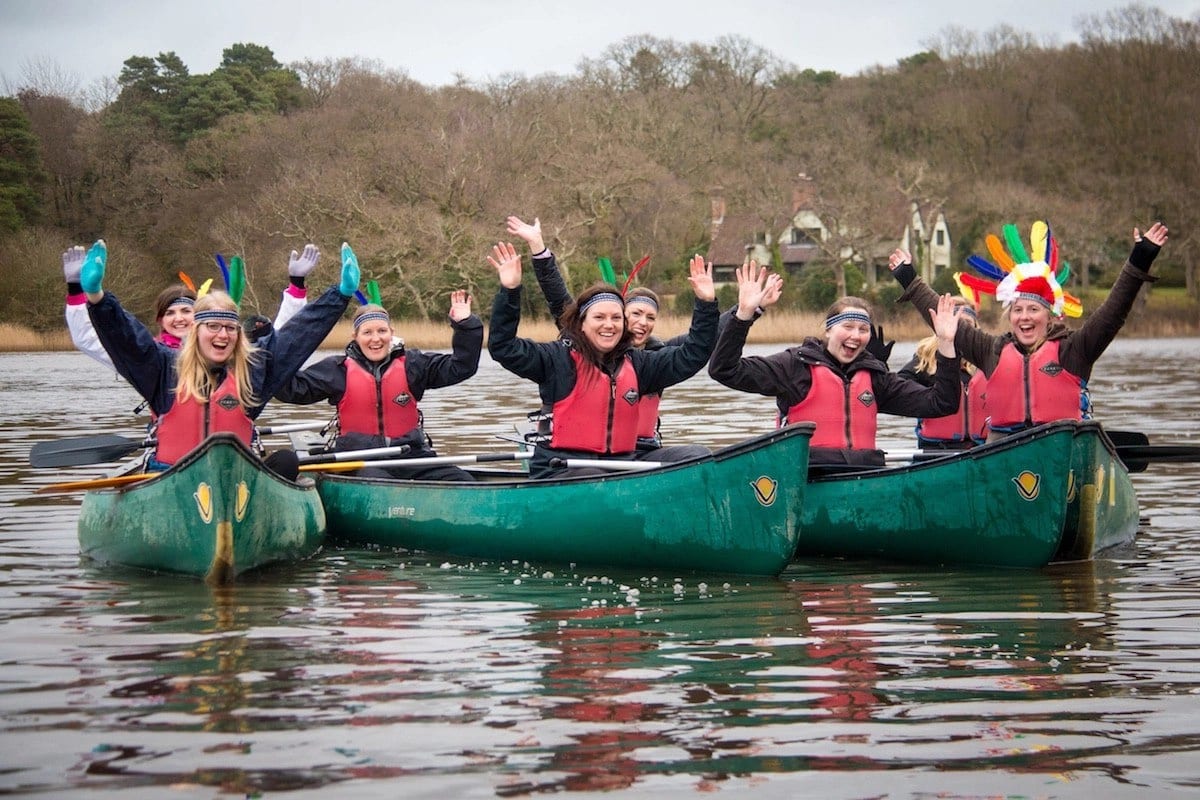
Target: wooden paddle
96,483
432,461
103,447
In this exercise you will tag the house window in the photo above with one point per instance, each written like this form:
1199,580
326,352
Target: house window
805,235
760,237
940,238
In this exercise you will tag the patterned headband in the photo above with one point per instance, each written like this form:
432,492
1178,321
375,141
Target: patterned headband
371,316
612,297
182,300
217,315
641,298
846,316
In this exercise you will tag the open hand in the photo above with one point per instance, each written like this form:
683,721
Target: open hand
72,263
460,305
532,234
700,276
898,258
300,264
507,263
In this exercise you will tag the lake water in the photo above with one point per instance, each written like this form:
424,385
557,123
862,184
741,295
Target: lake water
376,674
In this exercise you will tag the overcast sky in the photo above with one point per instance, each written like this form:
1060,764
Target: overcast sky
433,41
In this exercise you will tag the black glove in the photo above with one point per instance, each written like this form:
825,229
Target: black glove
256,327
1143,254
877,347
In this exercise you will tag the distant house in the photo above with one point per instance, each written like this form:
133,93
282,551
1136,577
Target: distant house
738,238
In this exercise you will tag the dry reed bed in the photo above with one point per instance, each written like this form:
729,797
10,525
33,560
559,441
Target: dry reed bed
782,327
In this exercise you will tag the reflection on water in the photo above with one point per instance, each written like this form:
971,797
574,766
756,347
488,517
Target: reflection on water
371,673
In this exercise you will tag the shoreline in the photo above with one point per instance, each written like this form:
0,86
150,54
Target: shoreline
785,328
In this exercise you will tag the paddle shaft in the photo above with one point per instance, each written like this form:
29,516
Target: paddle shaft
97,483
432,461
600,463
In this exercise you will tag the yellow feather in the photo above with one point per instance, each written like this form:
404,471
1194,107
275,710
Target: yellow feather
1037,240
204,288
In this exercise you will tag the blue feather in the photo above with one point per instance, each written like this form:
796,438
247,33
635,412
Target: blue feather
360,297
224,269
986,268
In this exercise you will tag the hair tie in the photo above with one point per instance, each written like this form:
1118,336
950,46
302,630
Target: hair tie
600,298
371,316
847,316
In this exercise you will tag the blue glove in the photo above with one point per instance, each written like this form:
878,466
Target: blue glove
91,274
350,272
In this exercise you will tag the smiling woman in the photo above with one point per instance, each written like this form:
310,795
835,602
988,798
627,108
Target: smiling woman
591,378
834,382
217,382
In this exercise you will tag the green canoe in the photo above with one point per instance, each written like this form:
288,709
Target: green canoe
734,511
1057,492
216,514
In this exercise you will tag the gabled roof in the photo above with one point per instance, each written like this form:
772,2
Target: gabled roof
730,238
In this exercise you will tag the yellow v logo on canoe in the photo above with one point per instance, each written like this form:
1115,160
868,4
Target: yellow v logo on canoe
204,502
765,490
1029,485
243,500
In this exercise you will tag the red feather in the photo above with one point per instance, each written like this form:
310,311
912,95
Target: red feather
636,269
183,276
979,284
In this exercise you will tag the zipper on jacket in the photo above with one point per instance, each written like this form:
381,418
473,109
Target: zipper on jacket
612,405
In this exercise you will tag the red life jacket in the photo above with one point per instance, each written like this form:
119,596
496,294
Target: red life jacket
187,422
845,411
383,407
648,416
1032,389
600,415
969,423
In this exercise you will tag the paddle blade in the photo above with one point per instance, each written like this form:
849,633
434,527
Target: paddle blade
85,450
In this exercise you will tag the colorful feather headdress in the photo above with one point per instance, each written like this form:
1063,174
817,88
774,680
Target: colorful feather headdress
1016,275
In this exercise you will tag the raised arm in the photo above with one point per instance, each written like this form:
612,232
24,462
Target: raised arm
296,294
437,370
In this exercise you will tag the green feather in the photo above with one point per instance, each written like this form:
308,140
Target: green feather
373,293
1013,239
237,279
1064,274
606,270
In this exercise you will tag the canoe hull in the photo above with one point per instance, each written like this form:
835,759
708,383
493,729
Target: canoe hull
216,514
736,511
1057,492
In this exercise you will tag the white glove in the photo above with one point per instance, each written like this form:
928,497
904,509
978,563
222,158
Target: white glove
73,263
300,264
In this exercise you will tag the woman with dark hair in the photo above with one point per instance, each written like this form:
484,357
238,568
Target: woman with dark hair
591,376
833,381
377,386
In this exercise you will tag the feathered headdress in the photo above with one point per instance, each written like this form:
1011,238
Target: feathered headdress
1016,275
609,275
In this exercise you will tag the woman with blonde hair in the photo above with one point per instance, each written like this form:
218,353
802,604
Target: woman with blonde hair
1038,371
217,382
968,426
